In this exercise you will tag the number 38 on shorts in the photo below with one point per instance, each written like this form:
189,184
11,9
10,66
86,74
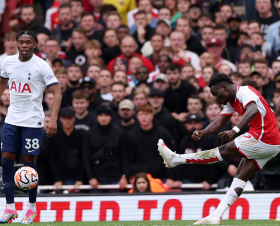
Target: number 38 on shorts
21,140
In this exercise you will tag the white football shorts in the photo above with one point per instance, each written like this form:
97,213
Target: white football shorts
251,148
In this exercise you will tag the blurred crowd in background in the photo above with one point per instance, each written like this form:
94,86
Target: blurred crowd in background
134,71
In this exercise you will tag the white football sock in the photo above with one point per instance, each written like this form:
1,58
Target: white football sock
11,206
203,157
32,206
229,198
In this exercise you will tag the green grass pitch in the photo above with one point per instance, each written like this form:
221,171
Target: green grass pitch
154,223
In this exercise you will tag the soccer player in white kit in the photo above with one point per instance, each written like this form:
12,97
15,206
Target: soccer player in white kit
27,76
258,146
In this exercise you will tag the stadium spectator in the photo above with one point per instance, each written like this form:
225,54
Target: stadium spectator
41,45
104,82
177,94
118,93
163,62
194,106
207,95
142,140
229,53
88,24
84,120
257,78
215,48
236,78
212,111
182,56
161,82
10,46
265,15
134,63
225,69
161,115
104,149
63,32
273,35
28,15
96,6
141,183
262,67
207,33
128,49
275,67
77,10
244,68
113,20
77,52
157,43
164,13
194,13
234,24
120,76
139,97
207,73
192,173
48,100
66,162
187,71
110,38
225,13
74,73
126,113
142,74
62,78
254,26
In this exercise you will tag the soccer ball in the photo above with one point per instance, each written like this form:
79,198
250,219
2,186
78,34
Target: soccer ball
26,178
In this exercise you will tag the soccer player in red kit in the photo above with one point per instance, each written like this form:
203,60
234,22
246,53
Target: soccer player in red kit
258,146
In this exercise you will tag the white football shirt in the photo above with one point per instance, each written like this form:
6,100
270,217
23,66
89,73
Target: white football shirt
27,82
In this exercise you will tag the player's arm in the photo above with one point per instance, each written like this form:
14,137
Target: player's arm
3,85
52,126
212,127
250,113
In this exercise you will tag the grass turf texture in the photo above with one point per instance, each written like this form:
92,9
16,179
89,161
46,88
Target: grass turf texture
153,223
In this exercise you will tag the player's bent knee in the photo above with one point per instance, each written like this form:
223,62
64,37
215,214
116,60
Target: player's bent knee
29,158
8,155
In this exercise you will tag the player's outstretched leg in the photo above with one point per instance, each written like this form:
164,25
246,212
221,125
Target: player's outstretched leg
171,159
31,213
8,172
246,169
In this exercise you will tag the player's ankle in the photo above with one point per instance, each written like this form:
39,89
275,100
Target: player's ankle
11,206
32,206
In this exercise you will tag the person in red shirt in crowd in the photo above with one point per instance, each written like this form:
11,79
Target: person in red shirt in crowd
52,19
128,49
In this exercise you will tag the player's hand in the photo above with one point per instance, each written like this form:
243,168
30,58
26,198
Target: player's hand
51,127
232,169
94,183
77,184
197,135
227,136
122,183
205,185
58,185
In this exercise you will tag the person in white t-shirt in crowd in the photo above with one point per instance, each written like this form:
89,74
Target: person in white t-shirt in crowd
182,56
10,45
163,28
104,82
215,48
145,5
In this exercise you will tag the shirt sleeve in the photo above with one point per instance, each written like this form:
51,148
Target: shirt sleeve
4,73
48,75
228,110
247,96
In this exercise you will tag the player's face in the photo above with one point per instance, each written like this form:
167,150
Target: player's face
220,93
80,105
194,106
74,73
139,99
25,46
118,92
103,119
145,118
156,101
120,76
126,114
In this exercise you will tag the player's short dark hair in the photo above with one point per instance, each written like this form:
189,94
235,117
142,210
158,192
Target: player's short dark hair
173,67
118,83
88,14
27,6
30,33
107,8
218,78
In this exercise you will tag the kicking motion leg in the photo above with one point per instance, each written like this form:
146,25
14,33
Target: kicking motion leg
31,213
8,172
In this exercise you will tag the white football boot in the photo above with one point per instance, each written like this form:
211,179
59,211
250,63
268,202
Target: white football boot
208,220
168,156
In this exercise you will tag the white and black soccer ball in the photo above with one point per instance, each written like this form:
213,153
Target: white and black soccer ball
26,178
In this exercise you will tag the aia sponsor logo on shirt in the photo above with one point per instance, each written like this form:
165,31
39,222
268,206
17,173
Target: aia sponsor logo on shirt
20,87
